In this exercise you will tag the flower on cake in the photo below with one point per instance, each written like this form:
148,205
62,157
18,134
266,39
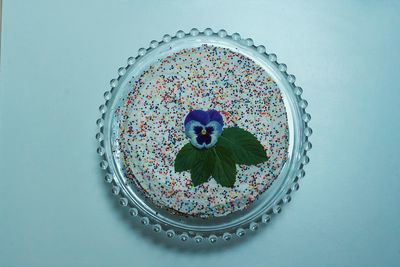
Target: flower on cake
203,128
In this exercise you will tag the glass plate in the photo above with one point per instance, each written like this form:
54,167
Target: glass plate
162,218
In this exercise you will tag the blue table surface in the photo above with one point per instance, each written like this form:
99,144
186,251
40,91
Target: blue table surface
56,61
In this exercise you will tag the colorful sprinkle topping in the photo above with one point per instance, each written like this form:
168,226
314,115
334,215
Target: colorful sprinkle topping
149,131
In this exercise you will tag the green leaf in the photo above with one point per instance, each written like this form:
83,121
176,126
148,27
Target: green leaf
186,157
235,145
203,167
200,163
224,171
244,146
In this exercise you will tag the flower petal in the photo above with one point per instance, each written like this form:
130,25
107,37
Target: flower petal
197,115
198,129
210,129
215,116
203,139
217,130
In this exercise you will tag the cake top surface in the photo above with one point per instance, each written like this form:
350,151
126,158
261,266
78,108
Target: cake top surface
149,127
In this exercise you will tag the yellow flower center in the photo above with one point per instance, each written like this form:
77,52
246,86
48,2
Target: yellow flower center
203,132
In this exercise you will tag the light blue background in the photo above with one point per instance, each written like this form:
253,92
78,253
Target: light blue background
57,60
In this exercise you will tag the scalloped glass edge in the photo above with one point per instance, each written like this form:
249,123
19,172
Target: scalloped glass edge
292,171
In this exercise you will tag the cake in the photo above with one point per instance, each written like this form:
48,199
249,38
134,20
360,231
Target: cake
149,130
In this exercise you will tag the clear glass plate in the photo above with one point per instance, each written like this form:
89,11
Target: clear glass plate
183,226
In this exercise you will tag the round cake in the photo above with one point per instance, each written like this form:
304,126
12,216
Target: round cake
150,132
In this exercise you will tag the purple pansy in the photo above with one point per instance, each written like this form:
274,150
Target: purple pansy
203,127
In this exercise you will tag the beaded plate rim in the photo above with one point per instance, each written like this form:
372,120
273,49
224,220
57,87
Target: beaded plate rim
282,199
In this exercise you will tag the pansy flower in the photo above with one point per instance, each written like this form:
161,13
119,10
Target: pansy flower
203,127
